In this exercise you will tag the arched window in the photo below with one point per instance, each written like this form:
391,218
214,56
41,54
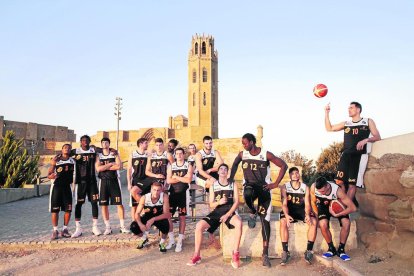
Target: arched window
204,75
196,48
194,76
204,98
203,48
194,99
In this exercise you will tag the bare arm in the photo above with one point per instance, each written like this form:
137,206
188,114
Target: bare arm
313,199
219,161
117,165
283,196
170,158
51,172
165,209
308,208
129,172
148,168
283,167
375,135
199,166
350,206
234,206
328,126
139,211
235,165
101,168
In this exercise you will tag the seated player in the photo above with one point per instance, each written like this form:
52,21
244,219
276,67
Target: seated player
224,199
155,210
296,207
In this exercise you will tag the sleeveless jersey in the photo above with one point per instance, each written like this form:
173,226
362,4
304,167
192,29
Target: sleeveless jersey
256,168
139,163
65,171
323,201
295,197
159,163
179,171
153,209
355,132
208,162
85,164
221,191
105,159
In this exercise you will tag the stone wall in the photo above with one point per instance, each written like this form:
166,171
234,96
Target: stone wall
386,224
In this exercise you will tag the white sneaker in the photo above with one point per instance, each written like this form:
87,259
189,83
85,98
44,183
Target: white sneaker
108,231
96,231
77,233
170,244
124,230
179,247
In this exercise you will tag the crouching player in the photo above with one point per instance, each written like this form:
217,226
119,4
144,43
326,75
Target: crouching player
224,200
155,207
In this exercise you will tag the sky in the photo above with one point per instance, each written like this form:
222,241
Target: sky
65,62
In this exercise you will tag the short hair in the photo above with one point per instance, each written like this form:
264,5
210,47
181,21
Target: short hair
177,149
224,165
357,105
141,141
173,141
66,145
106,139
159,140
207,138
156,183
250,137
86,137
192,145
293,169
320,182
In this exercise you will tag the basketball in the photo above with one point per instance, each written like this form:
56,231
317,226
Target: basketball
320,90
337,206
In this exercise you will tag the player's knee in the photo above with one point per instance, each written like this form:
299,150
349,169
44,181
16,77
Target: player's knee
283,222
313,222
323,224
248,193
237,222
345,223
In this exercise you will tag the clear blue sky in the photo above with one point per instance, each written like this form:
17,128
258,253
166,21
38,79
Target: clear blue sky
64,62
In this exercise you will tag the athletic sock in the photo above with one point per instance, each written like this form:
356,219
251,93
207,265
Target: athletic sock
107,224
77,223
144,236
265,250
94,222
285,246
341,248
310,245
180,238
171,236
162,240
64,227
55,228
122,223
331,247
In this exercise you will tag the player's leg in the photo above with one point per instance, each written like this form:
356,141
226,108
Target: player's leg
80,196
135,198
312,230
93,197
343,237
54,208
202,225
104,195
264,210
354,165
173,209
164,227
341,177
116,199
326,233
182,212
250,195
237,227
143,241
67,207
284,237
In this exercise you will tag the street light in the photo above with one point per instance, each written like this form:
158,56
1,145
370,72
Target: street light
118,107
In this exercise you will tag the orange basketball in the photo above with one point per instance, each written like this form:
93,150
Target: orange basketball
320,90
337,206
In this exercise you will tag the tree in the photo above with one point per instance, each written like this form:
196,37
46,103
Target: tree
328,160
308,169
17,167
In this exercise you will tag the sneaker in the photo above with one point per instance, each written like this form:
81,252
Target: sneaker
162,247
170,244
235,260
77,234
194,260
285,257
251,221
108,231
308,256
142,243
96,231
344,256
266,261
328,254
178,247
55,235
65,233
124,230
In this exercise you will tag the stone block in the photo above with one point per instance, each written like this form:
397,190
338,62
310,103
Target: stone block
403,225
402,245
396,160
377,240
383,182
365,225
375,206
373,163
251,240
381,226
407,178
400,209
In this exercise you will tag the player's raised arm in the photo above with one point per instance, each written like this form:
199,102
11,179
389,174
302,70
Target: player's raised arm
328,126
219,161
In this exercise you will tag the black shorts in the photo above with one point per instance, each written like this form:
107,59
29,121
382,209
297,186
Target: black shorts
213,219
264,199
144,185
348,167
323,213
297,215
162,225
110,189
60,198
178,201
87,188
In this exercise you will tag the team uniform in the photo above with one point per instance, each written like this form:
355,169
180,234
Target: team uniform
139,178
60,198
213,219
192,162
109,182
159,165
150,211
295,202
178,191
323,202
86,184
353,162
208,161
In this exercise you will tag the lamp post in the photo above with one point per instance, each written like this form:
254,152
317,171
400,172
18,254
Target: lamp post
118,107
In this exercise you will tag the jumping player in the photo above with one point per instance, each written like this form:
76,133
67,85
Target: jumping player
257,185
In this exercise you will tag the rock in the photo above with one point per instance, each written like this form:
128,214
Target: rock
375,206
404,224
400,209
407,178
365,225
396,160
384,227
377,240
373,163
402,245
384,182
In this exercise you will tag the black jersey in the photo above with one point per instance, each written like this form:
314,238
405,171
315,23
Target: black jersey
65,171
139,163
179,171
256,168
219,192
355,132
295,197
323,201
105,159
153,209
159,163
85,164
208,161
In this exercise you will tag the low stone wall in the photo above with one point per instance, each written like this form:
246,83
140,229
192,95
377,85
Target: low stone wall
29,191
387,203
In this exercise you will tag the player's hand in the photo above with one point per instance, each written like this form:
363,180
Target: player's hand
289,219
268,187
160,176
307,219
333,213
222,200
224,218
129,186
149,224
361,144
328,108
52,176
